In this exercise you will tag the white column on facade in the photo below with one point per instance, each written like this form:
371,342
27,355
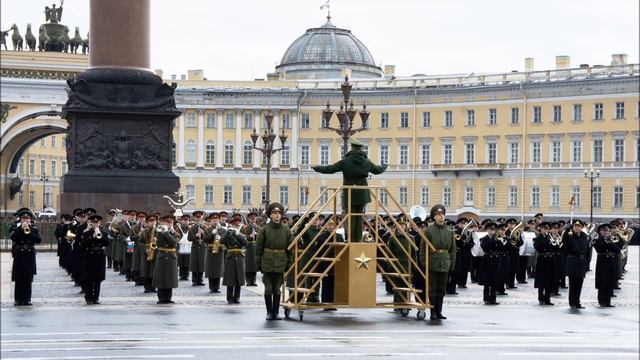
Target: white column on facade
257,154
275,159
293,142
219,144
200,149
237,163
180,149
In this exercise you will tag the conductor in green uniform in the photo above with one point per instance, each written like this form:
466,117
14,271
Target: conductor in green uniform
355,168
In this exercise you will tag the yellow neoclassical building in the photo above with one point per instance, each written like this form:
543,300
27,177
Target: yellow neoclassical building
505,144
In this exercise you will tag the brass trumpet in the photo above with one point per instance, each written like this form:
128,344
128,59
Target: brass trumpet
70,236
26,228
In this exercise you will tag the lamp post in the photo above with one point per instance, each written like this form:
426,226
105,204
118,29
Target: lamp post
591,174
268,139
44,180
346,115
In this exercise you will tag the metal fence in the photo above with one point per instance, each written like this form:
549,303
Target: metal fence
47,232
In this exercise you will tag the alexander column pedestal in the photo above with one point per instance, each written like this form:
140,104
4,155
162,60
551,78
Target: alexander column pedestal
120,118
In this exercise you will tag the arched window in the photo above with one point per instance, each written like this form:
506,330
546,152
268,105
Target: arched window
228,153
210,152
247,153
191,151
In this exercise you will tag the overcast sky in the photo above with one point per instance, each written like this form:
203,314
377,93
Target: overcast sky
245,39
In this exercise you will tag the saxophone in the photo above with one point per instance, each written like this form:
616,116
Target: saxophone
153,243
215,248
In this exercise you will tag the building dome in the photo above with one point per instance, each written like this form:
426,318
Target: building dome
325,52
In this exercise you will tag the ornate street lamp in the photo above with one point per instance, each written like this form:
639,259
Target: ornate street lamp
346,115
591,174
268,139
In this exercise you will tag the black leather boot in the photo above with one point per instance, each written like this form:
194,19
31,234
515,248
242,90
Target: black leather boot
434,310
439,313
268,301
276,307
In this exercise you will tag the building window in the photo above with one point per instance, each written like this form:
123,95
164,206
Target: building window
425,152
210,152
404,154
248,120
536,152
286,121
228,153
211,120
597,197
468,195
53,141
556,152
304,121
285,155
448,119
384,120
304,154
619,110
65,167
43,167
557,113
577,112
228,195
424,196
555,196
54,168
446,196
304,195
597,151
43,142
32,167
426,119
383,197
492,153
229,121
618,150
493,116
403,194
208,194
191,119
471,118
404,120
32,199
191,151
21,167
514,152
515,116
263,194
191,191
384,154
47,199
325,195
535,196
246,194
575,192
324,155
247,153
513,196
598,111
617,196
537,115
21,198
365,149
576,151
447,153
469,153
491,196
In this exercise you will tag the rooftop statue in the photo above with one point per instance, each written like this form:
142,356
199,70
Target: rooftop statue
53,14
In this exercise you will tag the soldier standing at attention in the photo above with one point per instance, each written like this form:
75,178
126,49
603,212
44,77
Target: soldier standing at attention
251,231
94,263
577,247
165,275
24,237
546,277
606,266
214,259
355,168
235,242
441,260
182,229
490,265
198,249
273,258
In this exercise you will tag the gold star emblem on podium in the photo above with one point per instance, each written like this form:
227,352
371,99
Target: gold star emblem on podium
363,261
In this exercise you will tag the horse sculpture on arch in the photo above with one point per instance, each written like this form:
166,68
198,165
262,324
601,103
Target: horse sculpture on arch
85,45
30,39
75,42
43,38
16,38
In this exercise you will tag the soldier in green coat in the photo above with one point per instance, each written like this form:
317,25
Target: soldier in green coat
401,250
355,168
441,260
165,275
214,259
198,249
235,242
273,258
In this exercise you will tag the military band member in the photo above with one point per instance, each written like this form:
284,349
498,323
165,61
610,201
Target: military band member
251,231
234,242
64,247
441,261
127,234
513,252
223,219
139,255
577,247
94,262
524,262
400,248
454,276
198,249
546,276
78,250
505,262
606,267
182,229
273,258
117,226
307,238
214,259
323,244
149,237
24,237
558,260
165,274
490,266
110,244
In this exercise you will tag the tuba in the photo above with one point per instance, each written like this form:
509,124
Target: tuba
517,230
418,211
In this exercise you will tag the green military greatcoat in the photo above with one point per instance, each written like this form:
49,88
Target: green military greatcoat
165,274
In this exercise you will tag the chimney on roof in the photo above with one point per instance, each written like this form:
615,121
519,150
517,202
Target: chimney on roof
389,70
618,59
563,62
195,74
528,64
